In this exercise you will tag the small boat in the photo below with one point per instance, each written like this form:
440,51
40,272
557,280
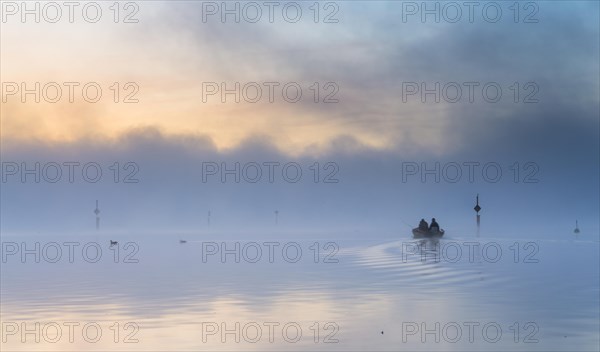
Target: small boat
433,233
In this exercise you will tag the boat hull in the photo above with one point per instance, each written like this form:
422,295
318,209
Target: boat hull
418,233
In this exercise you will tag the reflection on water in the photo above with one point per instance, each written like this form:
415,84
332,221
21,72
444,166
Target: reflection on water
156,293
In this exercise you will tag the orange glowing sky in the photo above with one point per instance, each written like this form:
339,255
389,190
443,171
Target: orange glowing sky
170,53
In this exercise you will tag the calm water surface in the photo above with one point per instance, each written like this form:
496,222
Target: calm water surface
337,292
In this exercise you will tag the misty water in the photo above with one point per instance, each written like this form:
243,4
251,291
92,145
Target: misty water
321,291
259,166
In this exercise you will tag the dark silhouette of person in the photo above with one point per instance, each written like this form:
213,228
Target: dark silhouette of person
423,225
434,225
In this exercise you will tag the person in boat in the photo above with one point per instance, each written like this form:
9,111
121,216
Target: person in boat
434,225
423,225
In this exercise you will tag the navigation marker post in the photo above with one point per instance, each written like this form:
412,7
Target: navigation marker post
97,212
477,209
